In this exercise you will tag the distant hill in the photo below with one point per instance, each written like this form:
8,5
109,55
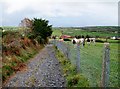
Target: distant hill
9,28
93,28
101,28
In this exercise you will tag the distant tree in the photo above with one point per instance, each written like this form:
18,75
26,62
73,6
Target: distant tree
82,36
79,36
87,36
76,36
26,25
1,28
26,22
62,32
97,36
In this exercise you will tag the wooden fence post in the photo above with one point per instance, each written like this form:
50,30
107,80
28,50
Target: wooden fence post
105,66
78,58
68,51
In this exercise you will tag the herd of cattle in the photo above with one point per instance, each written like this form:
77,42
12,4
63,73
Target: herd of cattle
79,40
82,41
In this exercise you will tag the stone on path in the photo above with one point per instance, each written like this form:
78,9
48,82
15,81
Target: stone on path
43,71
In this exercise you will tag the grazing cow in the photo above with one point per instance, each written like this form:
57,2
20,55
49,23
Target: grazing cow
90,40
61,40
82,41
77,41
73,41
54,37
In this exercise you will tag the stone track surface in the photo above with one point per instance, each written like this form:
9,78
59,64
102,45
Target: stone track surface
42,71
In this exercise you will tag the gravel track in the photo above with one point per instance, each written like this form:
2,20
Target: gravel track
43,71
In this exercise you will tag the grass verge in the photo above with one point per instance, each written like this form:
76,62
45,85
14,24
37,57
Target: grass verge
73,79
13,63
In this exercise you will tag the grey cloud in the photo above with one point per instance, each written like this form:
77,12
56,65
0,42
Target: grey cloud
67,13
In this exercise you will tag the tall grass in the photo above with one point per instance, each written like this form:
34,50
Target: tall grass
16,50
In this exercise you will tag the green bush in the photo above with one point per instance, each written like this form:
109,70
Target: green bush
77,80
30,35
99,41
67,40
40,40
72,69
41,30
6,72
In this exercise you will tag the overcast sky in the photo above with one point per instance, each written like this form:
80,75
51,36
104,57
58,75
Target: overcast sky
60,12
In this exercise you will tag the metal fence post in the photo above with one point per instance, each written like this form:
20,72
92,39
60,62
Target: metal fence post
106,66
78,58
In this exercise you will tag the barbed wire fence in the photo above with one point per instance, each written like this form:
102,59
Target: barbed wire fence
73,53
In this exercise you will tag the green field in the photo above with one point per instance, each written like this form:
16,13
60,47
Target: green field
91,57
56,32
79,31
91,62
82,32
10,28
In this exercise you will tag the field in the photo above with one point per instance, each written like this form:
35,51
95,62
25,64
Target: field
91,62
91,57
56,32
79,31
